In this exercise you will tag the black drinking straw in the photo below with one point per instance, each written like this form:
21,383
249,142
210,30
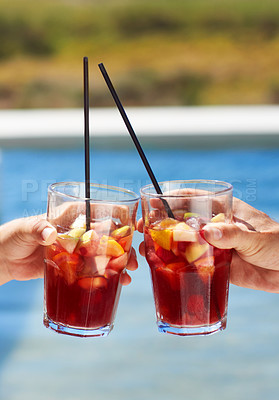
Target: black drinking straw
142,155
134,137
86,140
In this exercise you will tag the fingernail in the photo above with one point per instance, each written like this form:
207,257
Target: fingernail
47,232
212,233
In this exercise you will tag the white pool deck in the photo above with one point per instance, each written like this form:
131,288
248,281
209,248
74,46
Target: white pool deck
187,127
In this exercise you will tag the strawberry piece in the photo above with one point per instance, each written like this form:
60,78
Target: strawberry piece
166,256
182,246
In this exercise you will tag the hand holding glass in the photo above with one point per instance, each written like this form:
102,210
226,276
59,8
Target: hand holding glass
83,268
190,277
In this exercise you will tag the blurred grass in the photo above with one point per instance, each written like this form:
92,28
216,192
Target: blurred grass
163,52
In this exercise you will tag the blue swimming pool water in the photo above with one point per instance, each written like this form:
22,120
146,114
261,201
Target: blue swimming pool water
26,174
136,362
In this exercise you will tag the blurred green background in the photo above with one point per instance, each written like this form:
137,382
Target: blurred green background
159,52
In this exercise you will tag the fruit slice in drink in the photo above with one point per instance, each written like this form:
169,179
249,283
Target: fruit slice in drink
190,277
83,270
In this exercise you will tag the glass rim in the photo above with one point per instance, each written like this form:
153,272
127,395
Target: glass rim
53,189
227,188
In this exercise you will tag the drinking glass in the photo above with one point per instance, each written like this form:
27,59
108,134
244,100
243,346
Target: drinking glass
83,267
190,277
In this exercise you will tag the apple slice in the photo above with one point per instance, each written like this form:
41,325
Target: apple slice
88,243
121,232
183,233
76,232
190,215
101,263
67,242
70,239
79,222
109,247
218,218
195,250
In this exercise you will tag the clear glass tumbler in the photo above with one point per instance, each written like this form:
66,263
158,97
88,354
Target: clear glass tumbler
190,277
84,265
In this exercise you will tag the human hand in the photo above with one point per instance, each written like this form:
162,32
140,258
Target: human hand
22,244
254,238
21,248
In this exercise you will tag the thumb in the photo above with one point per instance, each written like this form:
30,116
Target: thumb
48,234
231,236
38,230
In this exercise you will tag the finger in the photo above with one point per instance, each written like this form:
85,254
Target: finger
244,274
257,248
67,213
140,225
184,197
132,262
229,236
35,229
103,211
125,279
142,249
204,203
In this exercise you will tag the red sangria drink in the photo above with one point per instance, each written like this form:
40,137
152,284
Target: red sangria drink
190,277
83,267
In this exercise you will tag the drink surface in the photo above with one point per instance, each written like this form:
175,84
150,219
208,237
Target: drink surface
190,277
82,273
